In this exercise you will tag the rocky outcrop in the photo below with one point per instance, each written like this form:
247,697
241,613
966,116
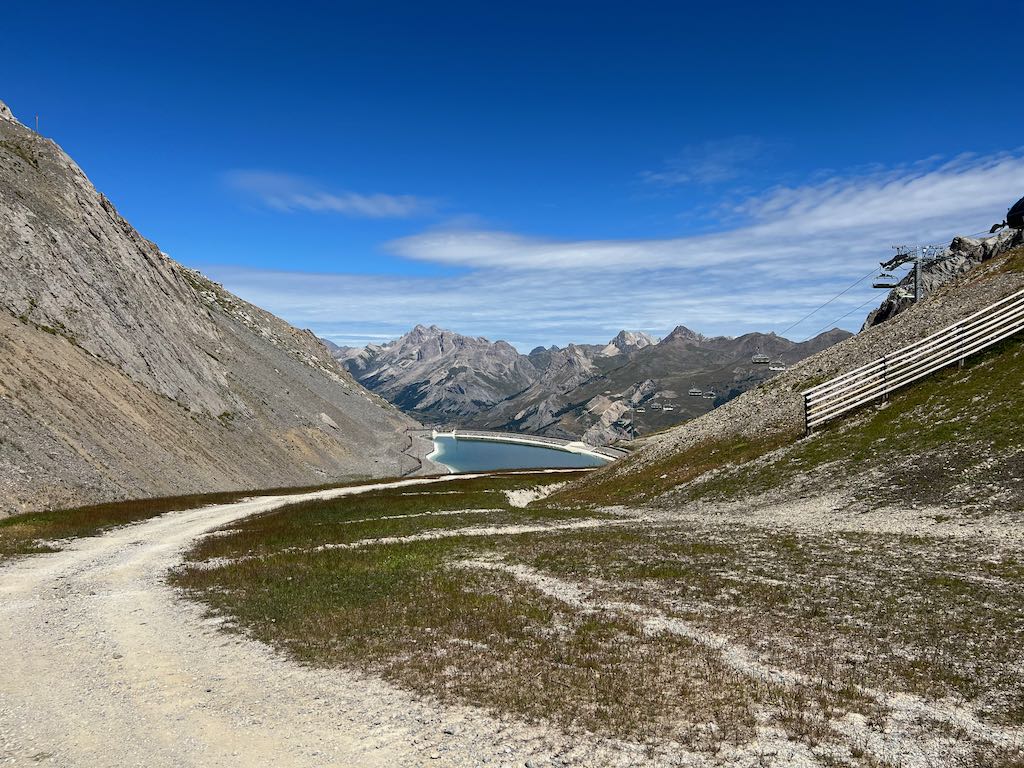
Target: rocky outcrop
125,374
962,255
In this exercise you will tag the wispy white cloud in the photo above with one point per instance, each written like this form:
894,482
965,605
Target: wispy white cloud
836,216
711,162
285,192
524,308
798,247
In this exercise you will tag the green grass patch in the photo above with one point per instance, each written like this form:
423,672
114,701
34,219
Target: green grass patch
478,637
924,447
621,483
413,614
934,617
1013,261
402,511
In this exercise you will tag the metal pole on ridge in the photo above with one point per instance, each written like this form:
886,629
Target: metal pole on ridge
917,275
885,371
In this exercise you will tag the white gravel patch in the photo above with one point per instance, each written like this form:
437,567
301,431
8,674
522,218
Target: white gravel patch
105,665
521,497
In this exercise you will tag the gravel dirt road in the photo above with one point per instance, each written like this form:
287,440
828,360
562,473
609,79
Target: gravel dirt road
104,665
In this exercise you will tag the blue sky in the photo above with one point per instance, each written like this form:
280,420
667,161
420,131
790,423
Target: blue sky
539,172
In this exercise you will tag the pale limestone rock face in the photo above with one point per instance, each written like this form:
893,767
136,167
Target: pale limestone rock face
963,255
626,342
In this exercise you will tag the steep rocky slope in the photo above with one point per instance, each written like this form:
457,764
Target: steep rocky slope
768,421
125,374
580,390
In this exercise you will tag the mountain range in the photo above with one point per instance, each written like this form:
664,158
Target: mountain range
601,393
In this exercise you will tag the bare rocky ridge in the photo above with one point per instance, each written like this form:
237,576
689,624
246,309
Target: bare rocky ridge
581,390
963,254
125,374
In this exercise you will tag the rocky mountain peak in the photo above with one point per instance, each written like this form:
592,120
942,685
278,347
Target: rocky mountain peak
420,332
682,334
440,373
433,341
571,390
626,342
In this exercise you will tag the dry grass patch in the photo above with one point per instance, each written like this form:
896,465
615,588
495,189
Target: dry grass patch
622,483
39,532
478,637
387,512
932,616
412,614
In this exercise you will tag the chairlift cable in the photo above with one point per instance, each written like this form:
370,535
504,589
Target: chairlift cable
843,317
854,285
814,311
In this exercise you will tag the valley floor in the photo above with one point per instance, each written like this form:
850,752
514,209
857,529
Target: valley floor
104,666
443,622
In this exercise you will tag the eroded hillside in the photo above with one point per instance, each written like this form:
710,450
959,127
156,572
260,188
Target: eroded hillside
125,374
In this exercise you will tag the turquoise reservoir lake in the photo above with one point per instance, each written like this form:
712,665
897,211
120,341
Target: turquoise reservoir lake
468,455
